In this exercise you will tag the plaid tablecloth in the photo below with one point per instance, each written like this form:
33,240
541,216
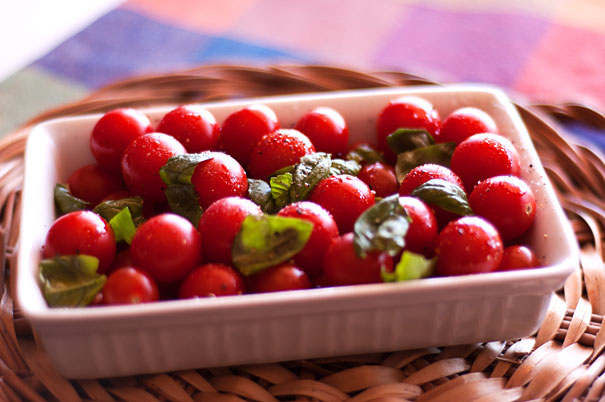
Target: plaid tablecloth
539,51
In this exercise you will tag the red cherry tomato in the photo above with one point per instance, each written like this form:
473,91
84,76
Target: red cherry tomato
278,150
518,257
345,197
112,134
507,202
129,285
482,156
342,266
219,225
244,128
310,258
468,245
405,112
463,123
219,177
278,278
380,178
423,228
142,161
193,126
326,128
122,259
167,246
212,280
82,232
92,183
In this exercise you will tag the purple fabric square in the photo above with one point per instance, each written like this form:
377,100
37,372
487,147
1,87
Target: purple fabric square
462,46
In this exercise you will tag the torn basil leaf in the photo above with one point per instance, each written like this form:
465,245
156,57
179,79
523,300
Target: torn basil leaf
382,228
446,195
267,240
109,209
410,266
439,154
179,168
408,139
70,280
259,192
123,226
280,189
66,202
182,200
311,169
364,154
341,166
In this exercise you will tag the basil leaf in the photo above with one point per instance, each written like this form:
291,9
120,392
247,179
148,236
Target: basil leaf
259,192
364,154
410,266
65,202
267,240
341,166
440,154
109,209
123,226
382,227
311,169
446,195
280,186
70,280
287,169
179,168
182,200
408,139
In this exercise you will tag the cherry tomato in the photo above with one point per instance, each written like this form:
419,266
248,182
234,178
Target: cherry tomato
112,134
92,183
193,126
129,285
278,278
468,245
82,232
482,156
326,128
219,225
167,246
244,128
278,150
423,228
405,112
219,177
463,123
142,161
122,259
507,202
117,195
345,197
212,280
342,266
380,178
310,258
518,257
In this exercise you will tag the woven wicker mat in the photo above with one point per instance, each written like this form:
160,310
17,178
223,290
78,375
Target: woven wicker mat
563,360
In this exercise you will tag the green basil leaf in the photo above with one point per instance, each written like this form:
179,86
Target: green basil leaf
439,154
182,200
341,166
65,202
259,192
179,168
408,139
280,189
446,195
70,280
410,266
123,226
382,227
311,169
267,240
364,154
287,169
109,209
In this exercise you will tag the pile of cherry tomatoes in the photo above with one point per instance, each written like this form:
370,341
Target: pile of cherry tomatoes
196,208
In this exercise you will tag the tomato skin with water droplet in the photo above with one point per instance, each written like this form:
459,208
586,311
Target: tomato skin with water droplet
326,128
211,280
464,122
518,257
218,177
193,126
380,178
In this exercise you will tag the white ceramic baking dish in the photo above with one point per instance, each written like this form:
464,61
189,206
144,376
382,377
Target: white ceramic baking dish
173,335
